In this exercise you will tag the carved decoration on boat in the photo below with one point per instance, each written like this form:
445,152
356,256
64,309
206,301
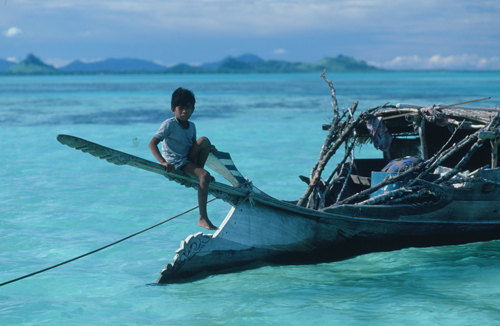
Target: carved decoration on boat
188,249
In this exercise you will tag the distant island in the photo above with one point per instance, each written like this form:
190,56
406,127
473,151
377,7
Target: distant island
31,66
248,63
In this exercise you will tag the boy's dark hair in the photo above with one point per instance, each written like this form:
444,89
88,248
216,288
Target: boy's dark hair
182,97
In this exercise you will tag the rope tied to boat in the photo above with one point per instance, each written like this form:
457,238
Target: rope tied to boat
247,185
101,248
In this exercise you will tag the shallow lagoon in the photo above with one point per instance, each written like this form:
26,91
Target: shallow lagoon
58,203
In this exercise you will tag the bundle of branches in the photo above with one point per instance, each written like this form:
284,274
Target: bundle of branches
341,131
425,188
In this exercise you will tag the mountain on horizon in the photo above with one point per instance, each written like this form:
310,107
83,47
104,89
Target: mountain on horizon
31,66
247,63
343,64
113,65
245,58
254,64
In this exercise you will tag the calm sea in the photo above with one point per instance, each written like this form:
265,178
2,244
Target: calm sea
57,203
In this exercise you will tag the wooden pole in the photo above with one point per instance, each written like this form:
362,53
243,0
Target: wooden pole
494,151
423,139
480,99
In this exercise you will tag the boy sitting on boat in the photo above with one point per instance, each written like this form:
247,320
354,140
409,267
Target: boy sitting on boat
182,151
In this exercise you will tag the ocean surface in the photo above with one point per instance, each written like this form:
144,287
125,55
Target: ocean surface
57,203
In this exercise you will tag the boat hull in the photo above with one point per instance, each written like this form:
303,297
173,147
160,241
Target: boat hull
266,231
261,229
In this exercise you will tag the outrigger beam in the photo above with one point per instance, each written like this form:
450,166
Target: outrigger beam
230,194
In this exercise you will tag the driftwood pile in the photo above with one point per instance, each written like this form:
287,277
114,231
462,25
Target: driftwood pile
342,132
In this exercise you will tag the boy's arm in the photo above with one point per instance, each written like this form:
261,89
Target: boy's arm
153,146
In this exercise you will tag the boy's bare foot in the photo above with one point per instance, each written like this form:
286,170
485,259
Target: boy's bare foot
205,223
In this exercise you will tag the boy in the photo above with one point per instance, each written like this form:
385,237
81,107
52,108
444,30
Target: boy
181,150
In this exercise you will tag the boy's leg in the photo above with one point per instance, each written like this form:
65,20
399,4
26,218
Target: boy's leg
199,152
204,176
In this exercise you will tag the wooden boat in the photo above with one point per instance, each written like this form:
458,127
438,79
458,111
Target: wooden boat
351,218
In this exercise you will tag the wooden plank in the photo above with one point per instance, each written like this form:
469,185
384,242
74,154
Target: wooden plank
494,151
219,190
423,140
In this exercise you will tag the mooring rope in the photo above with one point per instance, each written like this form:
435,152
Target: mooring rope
99,249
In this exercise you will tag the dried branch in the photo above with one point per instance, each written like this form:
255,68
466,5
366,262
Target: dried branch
339,166
409,197
335,105
343,128
432,164
351,161
335,121
479,142
388,180
390,194
346,133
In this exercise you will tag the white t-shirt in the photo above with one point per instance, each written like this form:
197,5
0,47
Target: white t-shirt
176,141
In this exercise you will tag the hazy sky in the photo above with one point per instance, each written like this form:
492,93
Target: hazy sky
390,34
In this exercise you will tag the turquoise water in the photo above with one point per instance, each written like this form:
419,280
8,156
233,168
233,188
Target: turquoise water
57,203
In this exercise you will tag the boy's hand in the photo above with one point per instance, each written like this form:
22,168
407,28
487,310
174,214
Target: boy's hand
168,167
213,149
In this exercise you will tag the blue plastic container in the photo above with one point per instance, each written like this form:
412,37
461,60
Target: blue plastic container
378,177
